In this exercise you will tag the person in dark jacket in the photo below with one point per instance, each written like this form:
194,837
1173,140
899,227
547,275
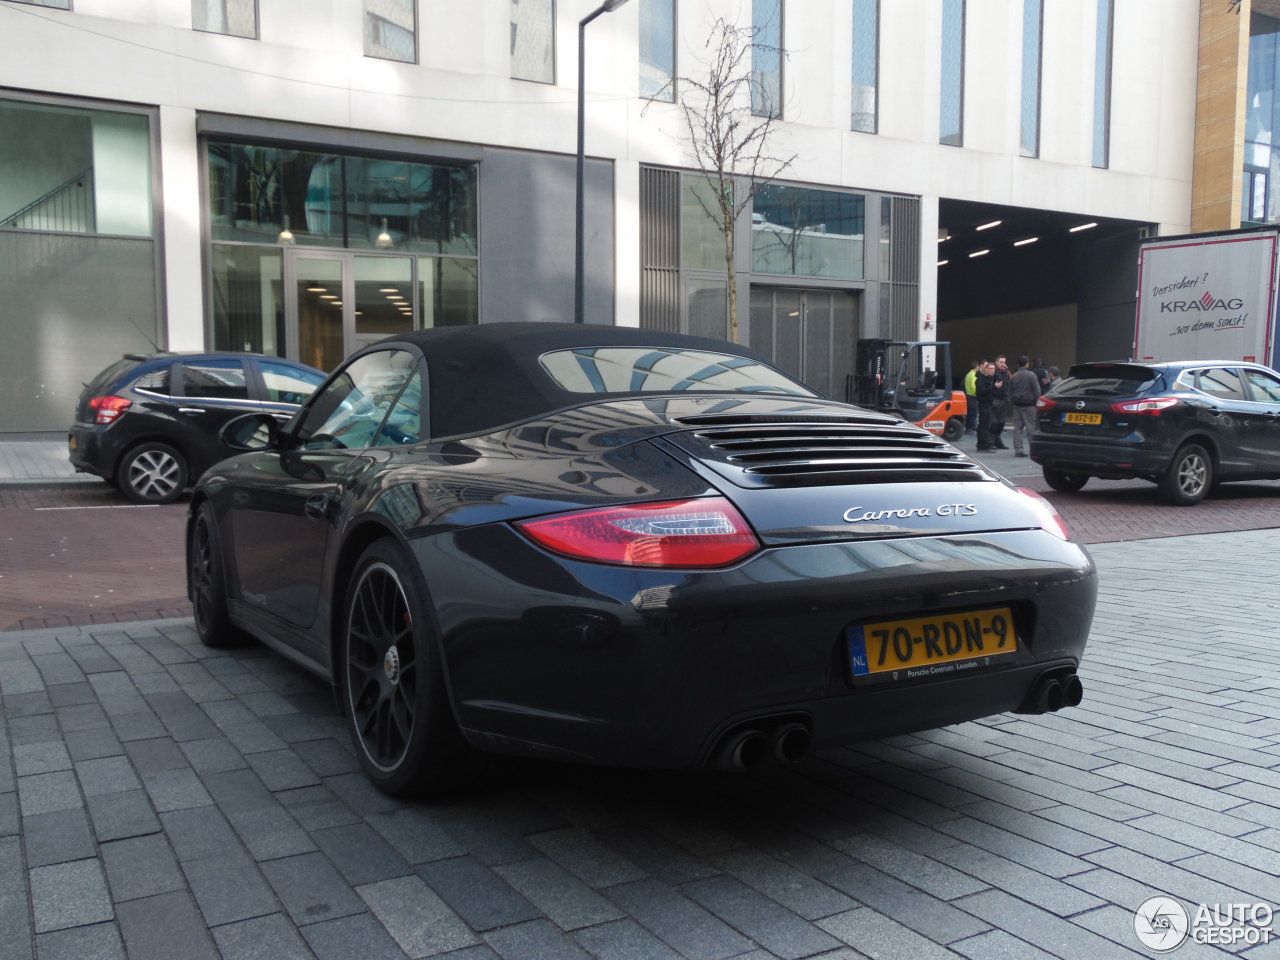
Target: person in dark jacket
1038,368
1024,391
984,390
999,402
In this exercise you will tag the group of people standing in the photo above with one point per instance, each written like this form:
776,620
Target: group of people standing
992,389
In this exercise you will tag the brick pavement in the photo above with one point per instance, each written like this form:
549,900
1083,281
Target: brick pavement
170,802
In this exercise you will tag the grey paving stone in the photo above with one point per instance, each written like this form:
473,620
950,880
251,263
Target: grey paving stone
69,895
294,728
482,898
175,790
48,757
327,757
586,857
228,887
779,931
106,775
910,867
267,704
15,908
360,855
199,832
415,836
356,936
802,894
152,756
93,744
1040,927
261,938
264,824
360,795
1009,845
57,837
998,945
47,792
33,729
415,916
140,867
310,889
164,928
655,855
934,918
282,770
535,940
10,821
624,940
317,808
99,941
684,925
181,716
143,725
489,841
213,755
879,937
119,815
84,716
564,898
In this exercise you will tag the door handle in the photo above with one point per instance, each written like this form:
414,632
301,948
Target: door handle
317,507
192,410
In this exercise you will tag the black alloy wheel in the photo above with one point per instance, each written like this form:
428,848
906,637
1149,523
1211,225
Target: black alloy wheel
1065,482
152,473
1189,477
954,429
207,579
397,706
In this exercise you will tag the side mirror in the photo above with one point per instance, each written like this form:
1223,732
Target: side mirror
253,431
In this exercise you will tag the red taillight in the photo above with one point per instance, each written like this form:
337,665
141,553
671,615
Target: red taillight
107,409
681,533
1044,403
1146,408
1050,520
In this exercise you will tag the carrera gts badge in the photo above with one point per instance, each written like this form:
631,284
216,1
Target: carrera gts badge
944,510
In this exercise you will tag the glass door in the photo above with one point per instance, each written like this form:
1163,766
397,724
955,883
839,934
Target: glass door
383,297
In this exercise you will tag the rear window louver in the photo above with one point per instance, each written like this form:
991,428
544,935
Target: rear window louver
828,451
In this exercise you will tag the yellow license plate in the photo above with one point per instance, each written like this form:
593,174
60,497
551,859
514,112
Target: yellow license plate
929,646
71,442
1091,418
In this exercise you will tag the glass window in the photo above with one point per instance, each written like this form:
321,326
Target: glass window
390,30
319,290
701,241
662,370
1262,119
708,308
1102,84
533,40
951,129
658,49
1265,386
1221,383
804,232
1032,44
351,409
286,383
74,171
57,4
766,58
275,195
384,295
214,379
866,64
449,291
1186,380
156,381
248,298
111,373
404,423
417,207
236,18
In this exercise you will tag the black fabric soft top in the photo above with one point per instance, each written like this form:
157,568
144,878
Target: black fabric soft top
487,376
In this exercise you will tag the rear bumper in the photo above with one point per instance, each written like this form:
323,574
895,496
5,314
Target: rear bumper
88,451
1114,458
649,668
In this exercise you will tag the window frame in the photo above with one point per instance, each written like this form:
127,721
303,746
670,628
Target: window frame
1234,371
875,112
778,111
364,24
1100,158
48,6
1032,152
675,60
290,439
960,85
555,53
1255,391
257,26
178,383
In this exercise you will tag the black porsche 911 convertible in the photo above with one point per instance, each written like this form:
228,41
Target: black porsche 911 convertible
626,547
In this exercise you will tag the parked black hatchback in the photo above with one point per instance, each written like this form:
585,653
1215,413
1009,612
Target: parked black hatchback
148,424
1185,426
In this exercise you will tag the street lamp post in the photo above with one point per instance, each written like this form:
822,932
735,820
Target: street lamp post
580,242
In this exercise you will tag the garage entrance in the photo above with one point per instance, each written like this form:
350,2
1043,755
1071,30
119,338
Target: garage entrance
809,333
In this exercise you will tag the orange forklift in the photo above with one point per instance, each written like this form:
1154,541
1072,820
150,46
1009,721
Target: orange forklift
902,378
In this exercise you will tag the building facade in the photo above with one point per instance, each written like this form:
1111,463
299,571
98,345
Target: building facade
299,177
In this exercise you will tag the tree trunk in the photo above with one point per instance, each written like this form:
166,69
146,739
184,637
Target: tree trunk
733,283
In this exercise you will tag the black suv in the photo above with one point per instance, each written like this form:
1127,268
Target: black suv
1186,426
149,424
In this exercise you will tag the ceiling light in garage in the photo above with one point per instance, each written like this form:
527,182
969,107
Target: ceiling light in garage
979,253
993,223
943,263
1023,243
1083,226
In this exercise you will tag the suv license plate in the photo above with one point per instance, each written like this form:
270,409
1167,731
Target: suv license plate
931,646
1090,418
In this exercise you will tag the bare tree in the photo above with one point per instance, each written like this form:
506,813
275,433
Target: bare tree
727,142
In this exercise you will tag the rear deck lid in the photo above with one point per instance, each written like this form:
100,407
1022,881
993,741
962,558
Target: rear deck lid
1080,403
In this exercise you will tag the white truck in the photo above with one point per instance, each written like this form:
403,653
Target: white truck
1208,296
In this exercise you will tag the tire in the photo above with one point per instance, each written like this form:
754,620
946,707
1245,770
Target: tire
1189,477
1065,482
954,429
207,577
392,682
152,473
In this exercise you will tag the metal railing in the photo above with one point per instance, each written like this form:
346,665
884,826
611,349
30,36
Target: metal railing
68,207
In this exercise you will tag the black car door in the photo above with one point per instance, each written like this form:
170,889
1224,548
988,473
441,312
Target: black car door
210,391
286,503
1241,429
1265,388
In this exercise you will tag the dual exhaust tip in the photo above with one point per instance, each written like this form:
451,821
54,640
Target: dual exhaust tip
751,748
1053,693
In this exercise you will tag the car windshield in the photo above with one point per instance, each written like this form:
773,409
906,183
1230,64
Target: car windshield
1103,380
663,370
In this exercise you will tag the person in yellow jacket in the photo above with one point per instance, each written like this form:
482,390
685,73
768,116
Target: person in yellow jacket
971,395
